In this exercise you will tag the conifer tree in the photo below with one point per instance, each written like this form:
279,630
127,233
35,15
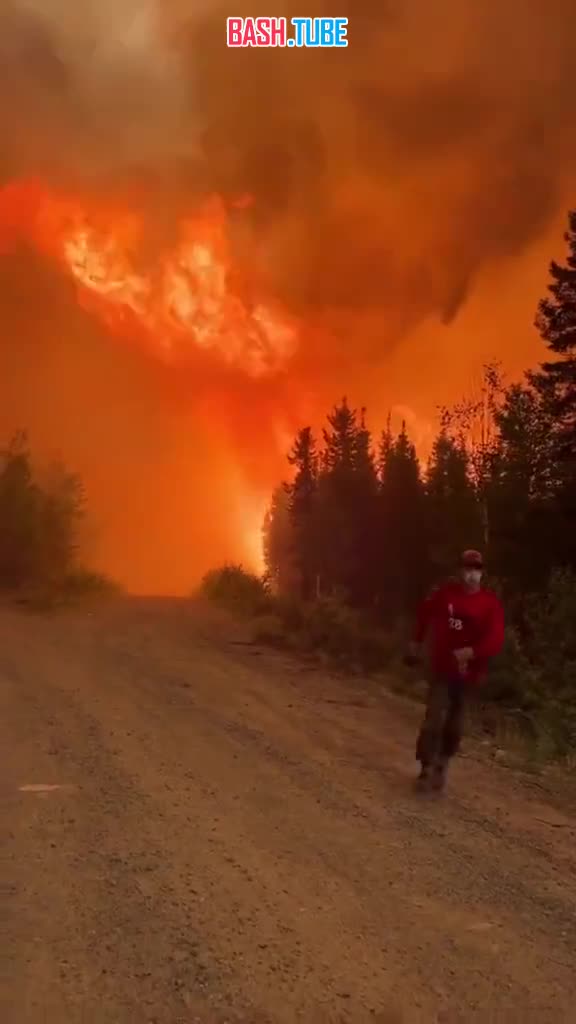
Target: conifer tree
452,510
278,542
556,321
348,497
404,542
555,382
302,508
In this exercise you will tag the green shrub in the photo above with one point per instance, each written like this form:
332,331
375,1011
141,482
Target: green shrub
507,679
344,636
86,583
40,516
269,629
531,688
327,627
38,523
232,587
551,624
330,628
535,676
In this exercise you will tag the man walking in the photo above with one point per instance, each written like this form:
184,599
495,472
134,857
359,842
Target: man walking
464,623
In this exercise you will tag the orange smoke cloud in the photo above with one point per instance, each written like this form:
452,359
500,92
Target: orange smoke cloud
202,249
150,376
182,305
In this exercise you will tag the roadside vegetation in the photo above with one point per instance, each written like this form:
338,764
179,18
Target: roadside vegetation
40,517
362,527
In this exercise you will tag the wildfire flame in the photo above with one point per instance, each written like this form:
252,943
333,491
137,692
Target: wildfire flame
180,298
181,303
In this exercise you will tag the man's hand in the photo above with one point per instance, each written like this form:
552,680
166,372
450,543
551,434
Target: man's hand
413,655
464,655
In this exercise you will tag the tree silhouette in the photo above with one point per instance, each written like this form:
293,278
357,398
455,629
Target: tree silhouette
347,505
453,512
278,542
403,523
555,382
38,524
302,493
556,321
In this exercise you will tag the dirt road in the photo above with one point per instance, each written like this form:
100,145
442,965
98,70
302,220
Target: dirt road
196,831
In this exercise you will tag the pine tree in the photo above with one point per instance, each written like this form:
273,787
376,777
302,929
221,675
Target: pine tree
302,508
348,496
340,440
364,466
525,456
472,422
404,561
556,385
384,449
366,516
401,482
527,532
453,513
556,321
278,542
337,538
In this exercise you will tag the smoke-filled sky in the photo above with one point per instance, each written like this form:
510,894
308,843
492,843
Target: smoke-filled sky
406,193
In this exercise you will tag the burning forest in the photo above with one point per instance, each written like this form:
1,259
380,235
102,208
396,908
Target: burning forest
201,248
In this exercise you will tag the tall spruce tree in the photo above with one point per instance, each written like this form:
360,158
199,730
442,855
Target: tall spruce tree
404,566
384,449
523,490
348,495
340,441
302,494
278,542
556,385
472,422
366,503
556,321
452,509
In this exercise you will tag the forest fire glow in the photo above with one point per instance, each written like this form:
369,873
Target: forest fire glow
181,305
179,301
199,255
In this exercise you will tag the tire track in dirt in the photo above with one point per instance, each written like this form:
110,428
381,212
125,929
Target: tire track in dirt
242,843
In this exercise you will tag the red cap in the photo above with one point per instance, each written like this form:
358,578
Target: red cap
471,560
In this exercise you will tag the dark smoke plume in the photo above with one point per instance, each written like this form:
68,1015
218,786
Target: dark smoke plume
385,175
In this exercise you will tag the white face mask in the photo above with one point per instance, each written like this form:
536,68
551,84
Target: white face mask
472,578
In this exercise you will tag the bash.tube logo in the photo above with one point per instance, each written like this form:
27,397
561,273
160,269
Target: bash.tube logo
293,32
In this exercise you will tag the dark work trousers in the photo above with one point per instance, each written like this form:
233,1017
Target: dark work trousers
441,729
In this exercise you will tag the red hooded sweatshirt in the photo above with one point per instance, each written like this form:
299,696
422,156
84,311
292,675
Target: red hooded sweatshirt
453,617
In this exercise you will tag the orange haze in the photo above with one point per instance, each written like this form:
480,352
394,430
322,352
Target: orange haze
202,249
